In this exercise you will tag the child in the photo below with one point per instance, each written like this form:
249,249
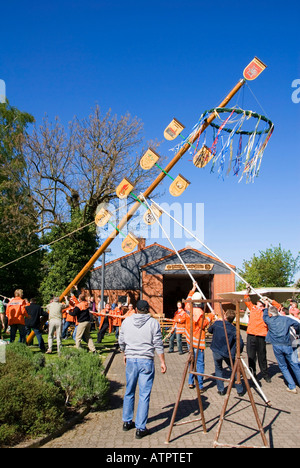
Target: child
220,349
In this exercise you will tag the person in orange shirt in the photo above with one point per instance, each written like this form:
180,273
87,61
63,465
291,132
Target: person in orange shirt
293,309
68,318
256,337
179,328
117,320
130,311
198,321
105,322
82,312
16,313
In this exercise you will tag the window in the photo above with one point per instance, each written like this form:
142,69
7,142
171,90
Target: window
123,300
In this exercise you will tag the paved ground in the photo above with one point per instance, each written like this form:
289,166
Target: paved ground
281,422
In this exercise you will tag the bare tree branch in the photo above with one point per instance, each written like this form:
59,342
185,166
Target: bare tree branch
80,168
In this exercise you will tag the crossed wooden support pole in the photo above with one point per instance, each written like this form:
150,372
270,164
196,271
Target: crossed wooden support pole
238,369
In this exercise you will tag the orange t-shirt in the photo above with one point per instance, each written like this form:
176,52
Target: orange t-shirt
256,325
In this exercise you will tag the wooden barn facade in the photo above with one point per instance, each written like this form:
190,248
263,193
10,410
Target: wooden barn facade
154,273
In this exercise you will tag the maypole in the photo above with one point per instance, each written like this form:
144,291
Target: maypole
251,72
149,190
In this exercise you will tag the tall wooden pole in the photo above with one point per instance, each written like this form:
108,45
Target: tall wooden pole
148,191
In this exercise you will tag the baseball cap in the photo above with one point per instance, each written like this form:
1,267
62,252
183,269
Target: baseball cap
142,305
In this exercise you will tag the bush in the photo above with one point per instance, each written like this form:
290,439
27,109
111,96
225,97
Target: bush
34,395
29,405
79,375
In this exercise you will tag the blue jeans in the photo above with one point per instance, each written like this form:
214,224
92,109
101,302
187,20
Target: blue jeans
284,356
178,337
199,368
39,336
218,359
138,371
13,332
65,329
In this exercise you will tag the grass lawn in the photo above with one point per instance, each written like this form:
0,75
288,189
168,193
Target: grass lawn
103,349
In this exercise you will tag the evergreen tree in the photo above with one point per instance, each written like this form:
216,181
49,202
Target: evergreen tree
66,257
17,215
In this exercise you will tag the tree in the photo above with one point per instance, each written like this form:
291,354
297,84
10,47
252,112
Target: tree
17,214
66,257
274,267
70,172
80,168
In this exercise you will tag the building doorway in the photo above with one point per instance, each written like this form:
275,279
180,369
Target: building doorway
176,288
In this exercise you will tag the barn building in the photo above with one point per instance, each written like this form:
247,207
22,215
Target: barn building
154,273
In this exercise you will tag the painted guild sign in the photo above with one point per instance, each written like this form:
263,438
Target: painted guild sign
129,243
102,217
149,159
202,157
254,69
149,216
178,186
190,266
173,130
124,189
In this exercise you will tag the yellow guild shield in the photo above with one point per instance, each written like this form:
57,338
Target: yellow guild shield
149,217
178,186
149,159
124,189
102,217
173,130
129,243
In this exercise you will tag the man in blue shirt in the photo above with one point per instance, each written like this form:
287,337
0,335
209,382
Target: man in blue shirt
220,349
280,337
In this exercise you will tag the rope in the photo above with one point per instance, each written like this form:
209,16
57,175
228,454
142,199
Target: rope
213,253
57,240
5,297
177,253
257,100
45,245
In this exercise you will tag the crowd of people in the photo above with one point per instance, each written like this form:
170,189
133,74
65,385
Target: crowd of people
269,322
139,337
78,315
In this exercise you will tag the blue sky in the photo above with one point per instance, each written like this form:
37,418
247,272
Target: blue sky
163,59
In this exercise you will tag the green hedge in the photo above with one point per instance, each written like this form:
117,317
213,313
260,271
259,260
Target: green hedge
34,395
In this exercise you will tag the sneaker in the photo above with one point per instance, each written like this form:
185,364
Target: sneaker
222,392
267,379
293,390
140,433
128,425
